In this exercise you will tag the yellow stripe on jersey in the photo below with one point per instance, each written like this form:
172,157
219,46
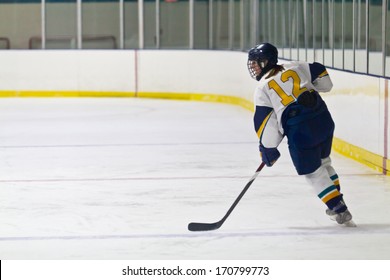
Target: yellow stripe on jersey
325,73
262,126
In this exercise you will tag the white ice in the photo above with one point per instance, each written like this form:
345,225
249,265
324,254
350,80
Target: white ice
122,178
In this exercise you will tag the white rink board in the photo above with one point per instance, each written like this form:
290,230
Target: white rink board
357,102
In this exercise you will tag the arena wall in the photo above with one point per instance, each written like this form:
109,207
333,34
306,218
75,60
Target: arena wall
359,103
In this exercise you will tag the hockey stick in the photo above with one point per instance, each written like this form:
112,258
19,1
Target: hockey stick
217,225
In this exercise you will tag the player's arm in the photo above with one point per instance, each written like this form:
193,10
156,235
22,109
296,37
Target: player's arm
320,77
267,130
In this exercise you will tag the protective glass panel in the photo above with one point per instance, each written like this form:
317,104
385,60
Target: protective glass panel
361,48
248,27
348,16
150,20
174,24
264,30
375,37
338,33
387,49
100,24
131,25
20,23
236,25
327,30
61,25
221,24
318,14
201,24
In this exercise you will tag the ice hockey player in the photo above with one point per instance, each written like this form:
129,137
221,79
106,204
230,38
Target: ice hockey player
287,103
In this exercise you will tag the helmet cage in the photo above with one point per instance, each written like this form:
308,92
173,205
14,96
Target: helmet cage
254,68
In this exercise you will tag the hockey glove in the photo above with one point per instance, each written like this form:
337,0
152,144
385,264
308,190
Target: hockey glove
269,155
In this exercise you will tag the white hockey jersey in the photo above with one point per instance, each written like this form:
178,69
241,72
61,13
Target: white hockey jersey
274,94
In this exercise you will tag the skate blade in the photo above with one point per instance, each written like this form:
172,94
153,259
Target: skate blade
350,224
333,217
347,224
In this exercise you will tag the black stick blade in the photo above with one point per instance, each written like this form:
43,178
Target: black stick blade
203,226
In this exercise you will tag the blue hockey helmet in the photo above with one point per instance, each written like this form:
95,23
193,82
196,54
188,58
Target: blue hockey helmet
262,58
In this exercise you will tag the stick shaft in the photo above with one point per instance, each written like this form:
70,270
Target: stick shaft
243,192
213,226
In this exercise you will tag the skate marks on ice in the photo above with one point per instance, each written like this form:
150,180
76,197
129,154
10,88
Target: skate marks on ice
362,229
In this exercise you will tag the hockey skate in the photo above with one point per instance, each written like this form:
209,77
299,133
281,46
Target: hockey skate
344,218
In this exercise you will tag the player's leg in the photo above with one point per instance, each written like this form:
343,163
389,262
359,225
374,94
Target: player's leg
309,142
337,209
330,195
305,160
327,163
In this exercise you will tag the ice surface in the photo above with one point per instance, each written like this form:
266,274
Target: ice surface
122,178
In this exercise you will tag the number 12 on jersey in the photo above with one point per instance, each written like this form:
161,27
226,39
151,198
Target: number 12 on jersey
297,90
